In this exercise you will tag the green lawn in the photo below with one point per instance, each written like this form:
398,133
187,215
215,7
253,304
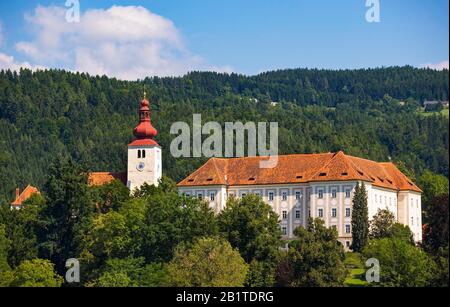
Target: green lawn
444,112
357,272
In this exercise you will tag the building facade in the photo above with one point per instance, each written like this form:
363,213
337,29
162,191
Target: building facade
317,186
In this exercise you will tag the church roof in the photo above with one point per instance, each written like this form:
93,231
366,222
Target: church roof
144,132
299,168
26,194
101,178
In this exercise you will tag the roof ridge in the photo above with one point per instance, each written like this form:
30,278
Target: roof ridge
325,165
215,168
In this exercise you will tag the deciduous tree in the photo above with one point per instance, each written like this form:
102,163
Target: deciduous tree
210,262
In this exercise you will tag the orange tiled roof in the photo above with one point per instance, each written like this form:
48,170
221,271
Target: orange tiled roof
26,194
300,168
101,178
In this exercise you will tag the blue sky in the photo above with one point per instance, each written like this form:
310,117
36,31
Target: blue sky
245,36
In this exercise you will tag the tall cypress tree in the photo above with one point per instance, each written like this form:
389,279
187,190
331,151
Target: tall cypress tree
360,218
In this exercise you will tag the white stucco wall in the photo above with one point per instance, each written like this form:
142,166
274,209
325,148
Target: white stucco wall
152,171
312,198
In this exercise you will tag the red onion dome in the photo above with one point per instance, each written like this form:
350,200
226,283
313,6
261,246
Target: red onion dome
145,130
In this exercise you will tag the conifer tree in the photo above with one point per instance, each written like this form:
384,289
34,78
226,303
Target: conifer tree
360,218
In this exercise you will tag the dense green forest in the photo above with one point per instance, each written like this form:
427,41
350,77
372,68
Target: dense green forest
372,113
56,126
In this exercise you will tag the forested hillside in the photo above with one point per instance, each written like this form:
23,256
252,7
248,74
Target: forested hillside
48,113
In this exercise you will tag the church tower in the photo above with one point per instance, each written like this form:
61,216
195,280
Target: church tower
144,154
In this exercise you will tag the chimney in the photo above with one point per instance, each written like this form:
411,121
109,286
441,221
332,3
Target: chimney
17,193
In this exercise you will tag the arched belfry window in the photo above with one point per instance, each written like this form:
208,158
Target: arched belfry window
139,154
143,154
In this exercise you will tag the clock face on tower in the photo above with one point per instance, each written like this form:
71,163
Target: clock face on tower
140,167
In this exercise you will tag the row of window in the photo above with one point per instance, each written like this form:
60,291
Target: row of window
298,195
380,198
212,196
417,203
284,213
348,230
334,212
271,195
348,193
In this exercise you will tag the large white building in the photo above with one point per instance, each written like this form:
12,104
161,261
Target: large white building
300,186
316,185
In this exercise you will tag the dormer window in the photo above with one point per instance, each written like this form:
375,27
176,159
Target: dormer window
322,174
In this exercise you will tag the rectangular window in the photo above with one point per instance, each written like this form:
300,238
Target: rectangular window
212,196
333,194
297,214
320,194
284,231
333,212
271,196
347,193
258,194
347,212
297,195
200,196
188,194
412,221
320,212
284,213
347,229
284,196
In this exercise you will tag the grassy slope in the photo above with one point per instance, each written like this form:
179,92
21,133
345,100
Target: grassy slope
444,112
355,266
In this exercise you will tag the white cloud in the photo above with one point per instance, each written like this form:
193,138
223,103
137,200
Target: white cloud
8,62
124,42
438,66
